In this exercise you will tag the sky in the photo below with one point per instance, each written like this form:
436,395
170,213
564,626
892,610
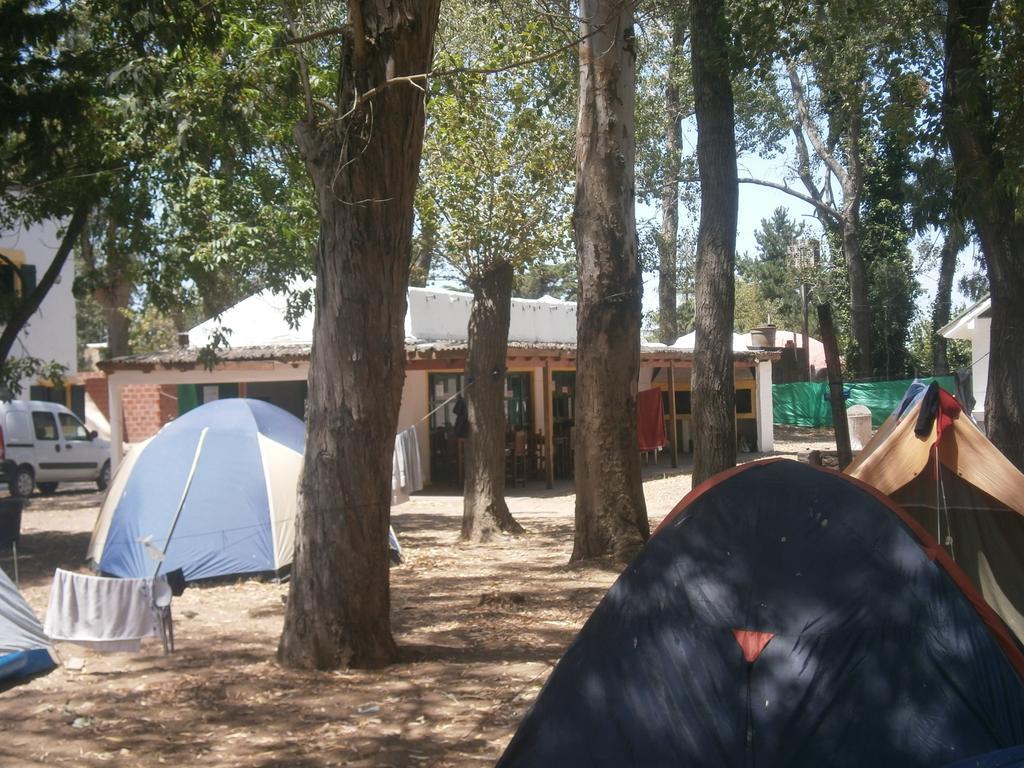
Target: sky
757,203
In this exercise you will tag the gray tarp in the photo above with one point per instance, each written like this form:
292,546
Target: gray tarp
20,630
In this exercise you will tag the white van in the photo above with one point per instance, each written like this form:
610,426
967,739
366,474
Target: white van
43,444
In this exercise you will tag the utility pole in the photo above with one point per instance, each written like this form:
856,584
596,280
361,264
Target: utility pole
803,258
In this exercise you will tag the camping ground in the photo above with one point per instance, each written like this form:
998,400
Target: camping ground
479,627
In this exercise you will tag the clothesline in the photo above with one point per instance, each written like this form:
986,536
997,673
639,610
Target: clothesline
469,383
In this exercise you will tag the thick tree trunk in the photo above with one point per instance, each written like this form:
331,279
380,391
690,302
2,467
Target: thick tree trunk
611,515
364,168
714,397
668,242
1004,402
484,511
943,306
976,141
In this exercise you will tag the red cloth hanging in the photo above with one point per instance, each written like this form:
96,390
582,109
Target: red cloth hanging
650,420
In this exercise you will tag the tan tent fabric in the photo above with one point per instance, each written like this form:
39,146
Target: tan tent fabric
284,467
101,527
974,506
894,455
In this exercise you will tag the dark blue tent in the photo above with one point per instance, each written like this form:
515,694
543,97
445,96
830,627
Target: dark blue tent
782,616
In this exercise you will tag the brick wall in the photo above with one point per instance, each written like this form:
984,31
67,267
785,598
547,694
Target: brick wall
96,387
144,411
146,407
168,403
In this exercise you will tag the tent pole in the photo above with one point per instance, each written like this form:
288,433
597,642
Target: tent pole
672,412
181,503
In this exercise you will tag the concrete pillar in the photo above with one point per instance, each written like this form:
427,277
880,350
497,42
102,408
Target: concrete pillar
765,409
114,392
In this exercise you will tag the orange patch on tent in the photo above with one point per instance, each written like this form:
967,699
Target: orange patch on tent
752,643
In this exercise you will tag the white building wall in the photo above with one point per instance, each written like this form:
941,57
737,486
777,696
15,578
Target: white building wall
975,326
644,380
444,316
413,409
981,344
52,331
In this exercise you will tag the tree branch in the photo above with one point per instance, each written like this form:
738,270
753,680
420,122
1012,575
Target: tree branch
415,80
810,128
330,32
803,163
829,212
307,91
29,304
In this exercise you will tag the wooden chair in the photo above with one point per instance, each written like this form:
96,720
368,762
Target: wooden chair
519,458
538,455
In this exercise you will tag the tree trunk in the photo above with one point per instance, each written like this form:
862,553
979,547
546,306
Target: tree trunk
423,254
943,307
364,167
860,312
113,296
853,186
714,397
484,511
611,515
845,223
1004,401
112,285
668,242
975,135
840,425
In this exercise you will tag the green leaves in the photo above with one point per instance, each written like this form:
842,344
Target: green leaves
772,278
496,178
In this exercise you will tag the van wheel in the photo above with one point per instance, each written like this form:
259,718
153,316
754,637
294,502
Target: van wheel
104,479
46,488
22,483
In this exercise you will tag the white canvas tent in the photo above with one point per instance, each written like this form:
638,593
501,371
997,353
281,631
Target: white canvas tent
932,460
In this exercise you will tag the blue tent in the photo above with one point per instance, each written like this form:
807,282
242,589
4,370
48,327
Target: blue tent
783,616
232,468
217,488
24,648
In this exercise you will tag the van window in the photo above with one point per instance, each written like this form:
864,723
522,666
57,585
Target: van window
16,428
45,425
72,428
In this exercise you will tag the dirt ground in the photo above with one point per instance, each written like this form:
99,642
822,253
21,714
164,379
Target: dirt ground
479,627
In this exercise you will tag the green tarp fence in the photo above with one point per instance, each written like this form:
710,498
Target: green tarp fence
805,403
192,395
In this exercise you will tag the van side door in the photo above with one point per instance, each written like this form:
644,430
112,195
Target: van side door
49,464
80,455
